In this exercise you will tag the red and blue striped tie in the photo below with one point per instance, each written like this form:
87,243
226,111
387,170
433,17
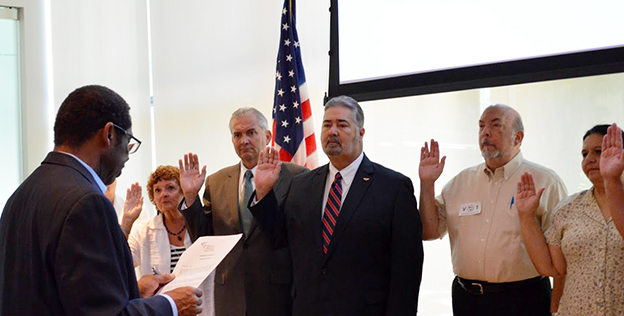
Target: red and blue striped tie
332,210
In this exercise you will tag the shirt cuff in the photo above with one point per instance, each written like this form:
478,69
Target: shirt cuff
254,200
172,303
183,206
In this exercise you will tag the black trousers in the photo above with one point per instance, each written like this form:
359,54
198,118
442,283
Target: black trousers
528,299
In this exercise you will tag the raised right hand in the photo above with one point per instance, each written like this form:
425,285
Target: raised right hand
132,208
612,157
133,204
187,299
191,179
431,166
527,200
267,172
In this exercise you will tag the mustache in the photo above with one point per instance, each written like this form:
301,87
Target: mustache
487,142
334,139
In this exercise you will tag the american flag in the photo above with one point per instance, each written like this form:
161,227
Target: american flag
293,129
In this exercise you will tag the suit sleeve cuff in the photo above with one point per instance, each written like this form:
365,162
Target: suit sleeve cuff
174,309
253,200
182,206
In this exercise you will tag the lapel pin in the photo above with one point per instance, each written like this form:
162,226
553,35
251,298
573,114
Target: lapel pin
366,179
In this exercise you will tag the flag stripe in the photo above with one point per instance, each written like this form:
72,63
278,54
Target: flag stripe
306,109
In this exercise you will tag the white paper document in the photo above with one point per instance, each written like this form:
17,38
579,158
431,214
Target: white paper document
200,259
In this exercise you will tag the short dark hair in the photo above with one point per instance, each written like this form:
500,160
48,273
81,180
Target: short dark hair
85,111
600,129
349,103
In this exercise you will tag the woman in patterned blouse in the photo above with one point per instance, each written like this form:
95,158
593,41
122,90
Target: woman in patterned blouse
582,242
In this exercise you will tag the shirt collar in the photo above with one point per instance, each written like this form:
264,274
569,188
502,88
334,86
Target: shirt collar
244,169
97,179
508,169
348,173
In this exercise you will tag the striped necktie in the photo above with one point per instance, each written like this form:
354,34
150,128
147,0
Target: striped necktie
332,210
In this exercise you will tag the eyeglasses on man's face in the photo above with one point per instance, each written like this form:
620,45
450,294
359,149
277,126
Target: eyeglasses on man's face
133,144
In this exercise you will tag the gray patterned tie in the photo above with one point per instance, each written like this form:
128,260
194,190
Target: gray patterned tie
243,212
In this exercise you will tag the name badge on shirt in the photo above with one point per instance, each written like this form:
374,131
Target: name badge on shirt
468,209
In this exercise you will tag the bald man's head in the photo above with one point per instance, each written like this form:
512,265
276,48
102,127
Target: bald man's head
500,134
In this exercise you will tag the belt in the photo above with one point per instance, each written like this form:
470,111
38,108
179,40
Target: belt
480,287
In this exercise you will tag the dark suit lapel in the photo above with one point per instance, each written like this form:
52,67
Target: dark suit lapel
315,191
361,182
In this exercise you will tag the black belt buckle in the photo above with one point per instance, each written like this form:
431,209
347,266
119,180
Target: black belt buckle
479,287
472,288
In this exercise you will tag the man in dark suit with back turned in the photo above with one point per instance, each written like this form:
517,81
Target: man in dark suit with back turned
352,226
62,250
255,278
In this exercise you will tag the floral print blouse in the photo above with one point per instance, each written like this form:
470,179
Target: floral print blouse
594,252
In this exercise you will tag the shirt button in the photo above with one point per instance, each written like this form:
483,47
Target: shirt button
602,265
482,239
487,220
323,271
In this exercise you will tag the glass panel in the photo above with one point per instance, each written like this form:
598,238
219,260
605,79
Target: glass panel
10,160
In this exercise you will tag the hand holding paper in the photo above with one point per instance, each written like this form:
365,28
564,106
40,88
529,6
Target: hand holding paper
199,260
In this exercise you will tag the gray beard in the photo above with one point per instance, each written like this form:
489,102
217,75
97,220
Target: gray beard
491,154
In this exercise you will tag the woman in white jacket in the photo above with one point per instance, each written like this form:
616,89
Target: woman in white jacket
160,241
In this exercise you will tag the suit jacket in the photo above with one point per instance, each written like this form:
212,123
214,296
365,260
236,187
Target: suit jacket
62,251
255,278
374,262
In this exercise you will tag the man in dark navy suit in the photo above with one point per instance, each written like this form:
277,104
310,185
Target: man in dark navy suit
62,250
352,225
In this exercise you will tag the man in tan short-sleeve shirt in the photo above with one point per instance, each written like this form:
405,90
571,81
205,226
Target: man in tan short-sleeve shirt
476,208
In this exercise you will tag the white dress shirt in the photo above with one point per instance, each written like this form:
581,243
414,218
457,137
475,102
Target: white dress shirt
348,174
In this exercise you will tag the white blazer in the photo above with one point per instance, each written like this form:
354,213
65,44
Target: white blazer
149,244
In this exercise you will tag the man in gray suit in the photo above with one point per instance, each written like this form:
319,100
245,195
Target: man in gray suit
62,250
256,277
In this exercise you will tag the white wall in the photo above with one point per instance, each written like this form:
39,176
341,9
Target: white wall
67,44
106,43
